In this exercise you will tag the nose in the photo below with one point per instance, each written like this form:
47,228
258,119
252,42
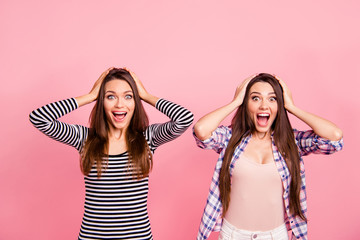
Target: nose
119,103
263,105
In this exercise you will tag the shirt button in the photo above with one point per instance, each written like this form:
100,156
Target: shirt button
254,236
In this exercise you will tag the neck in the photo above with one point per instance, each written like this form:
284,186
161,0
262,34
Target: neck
116,134
261,135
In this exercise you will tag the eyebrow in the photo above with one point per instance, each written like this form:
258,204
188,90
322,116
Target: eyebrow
270,93
110,91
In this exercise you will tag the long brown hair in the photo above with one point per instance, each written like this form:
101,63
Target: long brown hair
242,126
96,147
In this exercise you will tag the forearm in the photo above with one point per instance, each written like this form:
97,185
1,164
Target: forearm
320,126
45,120
150,99
85,99
208,123
181,119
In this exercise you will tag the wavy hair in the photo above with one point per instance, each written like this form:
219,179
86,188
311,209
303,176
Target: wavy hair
96,147
242,126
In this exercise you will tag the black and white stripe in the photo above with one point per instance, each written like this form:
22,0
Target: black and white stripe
116,203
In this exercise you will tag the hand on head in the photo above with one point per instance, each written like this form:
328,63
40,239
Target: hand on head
241,89
141,89
95,89
288,100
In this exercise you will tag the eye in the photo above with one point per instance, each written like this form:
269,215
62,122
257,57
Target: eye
272,99
255,98
128,96
110,97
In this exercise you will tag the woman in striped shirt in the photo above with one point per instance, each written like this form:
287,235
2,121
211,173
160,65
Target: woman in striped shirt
115,152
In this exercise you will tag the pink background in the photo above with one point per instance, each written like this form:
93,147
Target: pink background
194,53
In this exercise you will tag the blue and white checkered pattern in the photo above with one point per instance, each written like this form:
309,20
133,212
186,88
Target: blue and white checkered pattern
307,142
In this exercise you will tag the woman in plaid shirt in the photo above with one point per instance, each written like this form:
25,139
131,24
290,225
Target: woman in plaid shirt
258,187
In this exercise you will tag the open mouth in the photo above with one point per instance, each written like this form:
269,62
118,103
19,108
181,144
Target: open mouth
262,119
119,116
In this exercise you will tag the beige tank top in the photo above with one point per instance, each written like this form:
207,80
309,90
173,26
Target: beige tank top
256,202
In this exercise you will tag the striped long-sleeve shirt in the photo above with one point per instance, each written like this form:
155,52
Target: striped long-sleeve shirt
116,203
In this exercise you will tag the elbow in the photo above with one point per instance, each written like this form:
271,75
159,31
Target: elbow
185,121
334,135
337,134
37,120
200,132
31,117
191,118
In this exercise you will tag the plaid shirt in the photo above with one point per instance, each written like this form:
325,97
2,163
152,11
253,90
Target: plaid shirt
307,142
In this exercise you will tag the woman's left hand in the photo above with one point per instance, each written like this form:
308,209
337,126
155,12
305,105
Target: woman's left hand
141,89
288,100
144,95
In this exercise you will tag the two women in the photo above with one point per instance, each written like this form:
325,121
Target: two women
115,152
258,187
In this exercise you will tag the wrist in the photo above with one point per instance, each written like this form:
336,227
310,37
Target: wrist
91,97
235,104
150,99
291,108
145,96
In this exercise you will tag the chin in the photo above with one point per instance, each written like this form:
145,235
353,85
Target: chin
262,130
120,125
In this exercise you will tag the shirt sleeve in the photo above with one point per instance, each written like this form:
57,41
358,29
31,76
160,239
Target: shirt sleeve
309,142
218,141
45,120
180,119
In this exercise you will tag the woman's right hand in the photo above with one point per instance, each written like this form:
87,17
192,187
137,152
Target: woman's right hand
241,89
208,123
94,92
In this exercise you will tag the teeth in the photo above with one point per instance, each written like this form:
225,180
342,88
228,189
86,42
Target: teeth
119,113
263,114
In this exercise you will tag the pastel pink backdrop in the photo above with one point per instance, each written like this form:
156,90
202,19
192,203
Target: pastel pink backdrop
194,53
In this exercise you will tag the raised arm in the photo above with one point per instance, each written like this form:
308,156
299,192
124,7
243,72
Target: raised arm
208,123
320,126
45,117
180,120
180,117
